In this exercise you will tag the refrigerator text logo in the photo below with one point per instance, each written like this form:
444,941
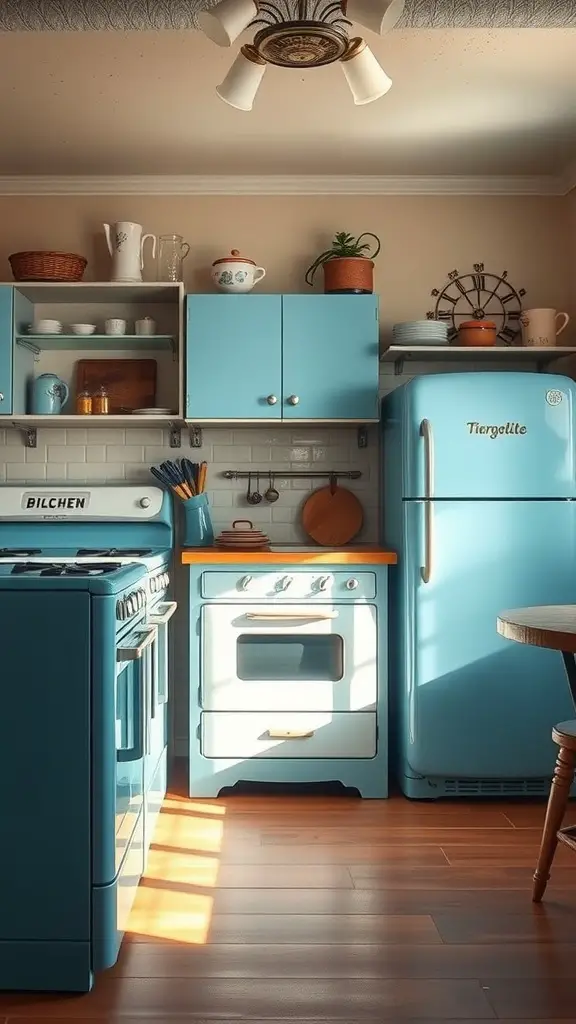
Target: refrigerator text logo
493,431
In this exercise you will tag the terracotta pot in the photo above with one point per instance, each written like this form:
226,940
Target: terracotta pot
477,334
349,274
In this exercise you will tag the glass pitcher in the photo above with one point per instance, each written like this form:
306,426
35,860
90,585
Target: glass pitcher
172,250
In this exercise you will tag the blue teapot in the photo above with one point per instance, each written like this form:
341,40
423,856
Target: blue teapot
49,394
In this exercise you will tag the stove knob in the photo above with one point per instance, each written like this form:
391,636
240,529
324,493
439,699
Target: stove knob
284,583
352,584
140,598
144,596
166,579
245,582
153,585
322,583
144,503
120,610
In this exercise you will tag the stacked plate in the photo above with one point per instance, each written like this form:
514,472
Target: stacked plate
156,411
46,327
245,539
420,332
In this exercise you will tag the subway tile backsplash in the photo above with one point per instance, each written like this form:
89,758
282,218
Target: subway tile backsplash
99,455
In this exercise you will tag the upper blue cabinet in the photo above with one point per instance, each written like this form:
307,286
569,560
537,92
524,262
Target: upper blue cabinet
291,357
6,349
234,357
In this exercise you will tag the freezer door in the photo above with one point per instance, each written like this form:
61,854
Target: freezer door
491,435
473,705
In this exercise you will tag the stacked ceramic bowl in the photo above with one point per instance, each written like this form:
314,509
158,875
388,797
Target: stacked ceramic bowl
420,332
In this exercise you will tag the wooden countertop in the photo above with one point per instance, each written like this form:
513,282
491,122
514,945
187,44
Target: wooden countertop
284,555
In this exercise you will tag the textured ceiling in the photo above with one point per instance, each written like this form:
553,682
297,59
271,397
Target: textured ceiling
78,15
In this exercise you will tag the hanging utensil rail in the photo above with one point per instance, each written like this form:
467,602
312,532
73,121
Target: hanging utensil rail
237,474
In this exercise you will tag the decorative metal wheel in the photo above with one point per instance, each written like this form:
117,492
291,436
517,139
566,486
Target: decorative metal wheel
479,295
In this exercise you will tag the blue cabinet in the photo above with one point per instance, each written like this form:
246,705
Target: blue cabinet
6,348
290,357
330,357
234,357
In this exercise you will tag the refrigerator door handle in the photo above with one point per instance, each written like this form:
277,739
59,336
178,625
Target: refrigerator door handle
426,433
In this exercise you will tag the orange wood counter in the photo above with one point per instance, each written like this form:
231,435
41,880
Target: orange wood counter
283,555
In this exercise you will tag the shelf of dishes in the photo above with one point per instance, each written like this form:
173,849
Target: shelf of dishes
104,342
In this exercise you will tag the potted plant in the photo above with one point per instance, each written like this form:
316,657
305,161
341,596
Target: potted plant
348,264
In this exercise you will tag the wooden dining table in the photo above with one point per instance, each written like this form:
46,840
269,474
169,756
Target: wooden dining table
553,627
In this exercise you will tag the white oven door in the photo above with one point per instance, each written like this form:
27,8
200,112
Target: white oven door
287,658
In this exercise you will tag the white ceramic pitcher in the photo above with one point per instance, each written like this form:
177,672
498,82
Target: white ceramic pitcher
126,247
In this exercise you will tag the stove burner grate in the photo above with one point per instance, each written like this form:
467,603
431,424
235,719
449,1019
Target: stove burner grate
64,569
20,552
114,552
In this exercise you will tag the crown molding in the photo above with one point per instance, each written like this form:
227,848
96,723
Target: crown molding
276,185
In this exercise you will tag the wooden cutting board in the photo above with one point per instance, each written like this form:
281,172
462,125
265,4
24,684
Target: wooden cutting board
131,383
332,516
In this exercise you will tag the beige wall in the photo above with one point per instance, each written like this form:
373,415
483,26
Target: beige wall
571,304
423,237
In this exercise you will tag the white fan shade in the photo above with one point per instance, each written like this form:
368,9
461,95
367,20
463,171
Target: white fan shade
376,15
225,22
242,82
367,80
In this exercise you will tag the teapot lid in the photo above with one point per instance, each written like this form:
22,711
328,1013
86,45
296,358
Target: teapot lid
234,257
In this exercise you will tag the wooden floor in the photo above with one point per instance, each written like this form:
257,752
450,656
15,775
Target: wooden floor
314,909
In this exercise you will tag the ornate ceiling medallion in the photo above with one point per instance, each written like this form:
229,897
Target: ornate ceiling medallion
301,44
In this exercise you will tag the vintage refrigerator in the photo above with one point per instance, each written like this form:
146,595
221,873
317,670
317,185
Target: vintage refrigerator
479,499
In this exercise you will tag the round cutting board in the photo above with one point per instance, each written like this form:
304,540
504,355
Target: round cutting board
332,516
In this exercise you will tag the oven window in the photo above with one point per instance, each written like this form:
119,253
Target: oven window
279,657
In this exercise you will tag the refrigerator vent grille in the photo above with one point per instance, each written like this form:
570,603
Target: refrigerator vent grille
497,787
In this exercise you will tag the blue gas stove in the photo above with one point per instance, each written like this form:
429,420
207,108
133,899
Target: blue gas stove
84,636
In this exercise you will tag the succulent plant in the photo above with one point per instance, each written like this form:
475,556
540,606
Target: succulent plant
344,246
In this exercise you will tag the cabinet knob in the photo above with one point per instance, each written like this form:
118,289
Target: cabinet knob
144,502
271,399
293,400
1,397
352,584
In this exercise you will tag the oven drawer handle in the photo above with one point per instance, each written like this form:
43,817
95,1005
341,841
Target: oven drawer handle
290,734
161,617
135,752
135,653
290,616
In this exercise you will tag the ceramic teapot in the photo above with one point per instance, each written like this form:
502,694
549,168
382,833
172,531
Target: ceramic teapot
49,395
235,274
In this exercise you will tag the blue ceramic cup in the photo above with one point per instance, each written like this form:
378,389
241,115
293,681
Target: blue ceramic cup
198,531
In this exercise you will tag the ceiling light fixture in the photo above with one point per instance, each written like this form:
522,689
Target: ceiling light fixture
300,34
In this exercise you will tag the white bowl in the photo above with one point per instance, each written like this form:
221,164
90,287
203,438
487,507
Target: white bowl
83,328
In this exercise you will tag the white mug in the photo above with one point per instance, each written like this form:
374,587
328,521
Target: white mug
540,327
115,326
146,326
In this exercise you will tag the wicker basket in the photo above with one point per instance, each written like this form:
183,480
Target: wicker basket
47,266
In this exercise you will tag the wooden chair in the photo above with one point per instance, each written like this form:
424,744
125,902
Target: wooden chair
565,736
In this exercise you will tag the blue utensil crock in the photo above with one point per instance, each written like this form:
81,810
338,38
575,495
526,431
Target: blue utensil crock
198,531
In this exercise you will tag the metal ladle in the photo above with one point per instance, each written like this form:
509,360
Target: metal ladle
249,495
256,496
271,494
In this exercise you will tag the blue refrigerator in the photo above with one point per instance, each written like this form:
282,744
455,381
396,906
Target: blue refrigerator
480,502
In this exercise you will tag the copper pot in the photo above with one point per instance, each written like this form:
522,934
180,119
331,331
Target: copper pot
477,334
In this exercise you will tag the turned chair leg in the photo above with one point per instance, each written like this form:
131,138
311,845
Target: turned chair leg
557,801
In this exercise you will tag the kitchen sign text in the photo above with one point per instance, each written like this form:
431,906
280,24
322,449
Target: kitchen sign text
55,502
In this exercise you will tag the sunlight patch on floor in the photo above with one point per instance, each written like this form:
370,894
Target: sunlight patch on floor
166,906
171,915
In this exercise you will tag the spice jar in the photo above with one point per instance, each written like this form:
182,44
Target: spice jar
100,402
83,403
